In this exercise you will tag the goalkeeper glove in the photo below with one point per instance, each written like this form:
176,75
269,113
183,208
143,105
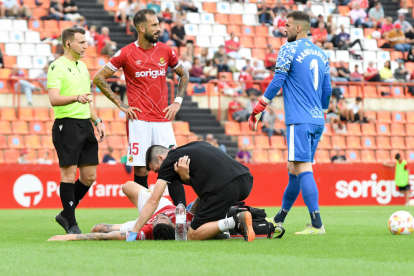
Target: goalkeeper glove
132,236
257,113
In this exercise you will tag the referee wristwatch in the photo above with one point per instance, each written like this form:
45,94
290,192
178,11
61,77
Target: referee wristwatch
97,121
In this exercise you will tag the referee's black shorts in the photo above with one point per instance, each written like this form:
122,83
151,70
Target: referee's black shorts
214,207
75,142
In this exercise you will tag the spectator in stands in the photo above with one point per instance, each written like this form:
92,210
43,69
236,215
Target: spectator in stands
343,71
56,11
409,36
332,116
386,73
119,86
199,89
308,10
258,70
220,60
405,25
279,8
153,5
357,15
186,62
164,35
188,5
167,16
70,10
203,56
265,13
410,57
180,13
319,19
105,45
196,72
210,139
108,158
271,57
387,26
13,8
334,74
340,128
320,37
45,159
279,24
356,76
343,42
22,157
178,34
43,75
356,113
93,32
397,39
246,77
401,74
244,114
25,86
372,74
269,120
234,106
1,59
200,138
225,88
338,157
375,15
125,11
233,47
243,156
80,22
210,70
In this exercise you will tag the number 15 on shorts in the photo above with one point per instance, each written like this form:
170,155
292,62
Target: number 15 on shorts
133,148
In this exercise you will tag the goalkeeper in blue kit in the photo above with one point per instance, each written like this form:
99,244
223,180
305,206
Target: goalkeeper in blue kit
302,70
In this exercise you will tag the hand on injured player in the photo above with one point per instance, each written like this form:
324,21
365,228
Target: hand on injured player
257,113
182,167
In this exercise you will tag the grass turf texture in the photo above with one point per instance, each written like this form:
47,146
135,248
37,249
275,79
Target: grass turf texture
357,243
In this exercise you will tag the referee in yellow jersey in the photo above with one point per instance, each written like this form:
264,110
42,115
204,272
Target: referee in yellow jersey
69,87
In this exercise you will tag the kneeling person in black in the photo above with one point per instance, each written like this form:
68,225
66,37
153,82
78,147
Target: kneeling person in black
218,180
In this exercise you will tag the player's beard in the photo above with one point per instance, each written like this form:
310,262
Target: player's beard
151,37
292,38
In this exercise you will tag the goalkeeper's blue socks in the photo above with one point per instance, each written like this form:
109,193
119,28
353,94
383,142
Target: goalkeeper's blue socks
289,197
310,197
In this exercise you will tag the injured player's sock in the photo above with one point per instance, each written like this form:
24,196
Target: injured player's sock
141,180
226,224
80,191
310,196
289,197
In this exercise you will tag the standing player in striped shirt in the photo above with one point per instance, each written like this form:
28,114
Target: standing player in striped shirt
145,63
302,69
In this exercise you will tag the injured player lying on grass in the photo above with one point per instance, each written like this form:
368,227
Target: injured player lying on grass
161,226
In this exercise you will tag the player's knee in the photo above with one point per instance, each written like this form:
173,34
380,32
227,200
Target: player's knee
89,179
68,177
127,185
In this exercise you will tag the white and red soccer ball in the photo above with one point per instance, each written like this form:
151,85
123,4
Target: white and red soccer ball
401,223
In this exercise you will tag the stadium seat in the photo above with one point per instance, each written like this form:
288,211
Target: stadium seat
397,143
181,140
260,156
342,55
219,30
106,114
322,156
90,52
327,130
211,8
48,127
168,4
36,25
368,156
409,155
182,128
119,115
410,117
203,41
100,61
89,62
37,128
278,142
354,129
193,17
353,156
205,29
259,54
382,156
383,56
355,91
20,127
383,142
409,142
370,44
250,8
353,142
398,129
5,127
237,8
409,129
217,41
15,142
47,142
368,129
117,128
262,31
111,5
191,29
247,31
260,42
337,141
370,91
3,86
51,25
325,143
250,20
246,140
32,141
276,42
118,142
207,18
246,42
368,142
11,156
275,156
383,129
397,92
223,7
262,142
12,49
244,129
26,114
31,156
232,128
24,62
3,142
398,117
1,157
384,117
246,53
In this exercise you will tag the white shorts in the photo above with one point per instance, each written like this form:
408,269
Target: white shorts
142,135
143,197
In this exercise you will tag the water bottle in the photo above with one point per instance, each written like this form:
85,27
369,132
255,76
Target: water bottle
180,223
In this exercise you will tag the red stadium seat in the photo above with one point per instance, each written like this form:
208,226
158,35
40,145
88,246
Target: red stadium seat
8,114
117,142
398,117
354,129
409,142
47,142
409,155
397,143
37,128
32,141
260,42
276,156
383,142
11,156
26,114
48,127
20,127
15,142
398,129
181,140
111,5
262,142
5,127
41,114
368,129
246,140
353,156
220,18
244,128
211,8
232,128
246,42
278,142
233,28
259,53
325,143
1,157
182,128
247,31
353,142
260,156
237,20
51,25
370,92
368,142
397,91
36,25
117,128
384,117
327,130
337,141
382,156
383,129
368,156
3,142
106,114
322,156
275,42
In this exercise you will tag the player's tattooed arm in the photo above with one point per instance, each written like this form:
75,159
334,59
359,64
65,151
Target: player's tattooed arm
117,235
184,78
195,205
100,80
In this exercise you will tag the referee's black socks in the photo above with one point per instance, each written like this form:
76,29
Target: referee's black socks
141,180
67,196
80,191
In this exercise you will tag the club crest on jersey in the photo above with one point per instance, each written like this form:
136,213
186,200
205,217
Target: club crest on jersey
138,62
162,62
131,159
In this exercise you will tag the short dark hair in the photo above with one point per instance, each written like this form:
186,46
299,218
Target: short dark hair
69,33
299,16
358,99
163,232
152,153
141,16
397,156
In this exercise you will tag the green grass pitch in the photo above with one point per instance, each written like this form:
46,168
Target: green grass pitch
357,243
